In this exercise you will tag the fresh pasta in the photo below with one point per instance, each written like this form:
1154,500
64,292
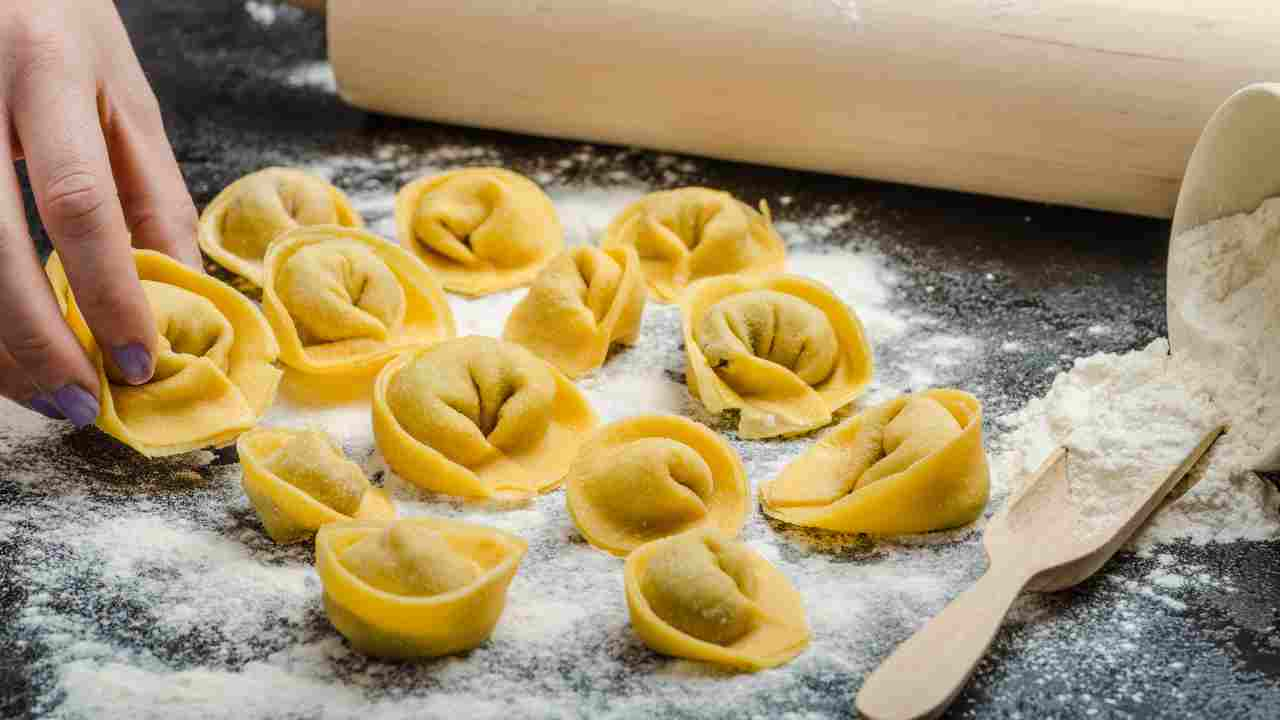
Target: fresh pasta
782,350
478,417
913,464
481,230
687,475
299,481
238,227
704,596
342,300
579,306
416,587
215,371
691,233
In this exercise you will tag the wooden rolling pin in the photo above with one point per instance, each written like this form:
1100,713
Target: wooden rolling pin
1092,103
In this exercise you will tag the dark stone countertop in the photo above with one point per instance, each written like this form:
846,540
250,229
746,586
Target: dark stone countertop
995,269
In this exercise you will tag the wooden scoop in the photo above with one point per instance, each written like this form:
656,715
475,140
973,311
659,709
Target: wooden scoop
1040,543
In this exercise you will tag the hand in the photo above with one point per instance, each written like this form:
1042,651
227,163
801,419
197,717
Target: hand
84,117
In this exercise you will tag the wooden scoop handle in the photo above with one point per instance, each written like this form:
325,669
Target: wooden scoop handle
925,673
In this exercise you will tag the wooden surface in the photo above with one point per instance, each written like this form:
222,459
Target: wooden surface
1092,103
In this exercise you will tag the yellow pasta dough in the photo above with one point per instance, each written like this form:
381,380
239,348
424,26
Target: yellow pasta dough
584,301
299,480
705,596
342,300
913,464
652,476
480,229
238,227
418,587
58,281
478,417
215,373
692,233
783,350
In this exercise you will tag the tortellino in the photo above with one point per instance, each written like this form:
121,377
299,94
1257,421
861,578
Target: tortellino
584,301
343,300
781,349
686,475
299,480
478,417
238,227
704,596
215,373
480,229
913,464
692,233
418,587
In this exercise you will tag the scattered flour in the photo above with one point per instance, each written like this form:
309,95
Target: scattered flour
317,75
484,315
341,411
267,14
630,395
176,566
861,280
586,212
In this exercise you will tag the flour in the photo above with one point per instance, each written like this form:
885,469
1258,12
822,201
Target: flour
1224,309
1224,289
177,565
268,14
317,75
586,212
1128,420
342,411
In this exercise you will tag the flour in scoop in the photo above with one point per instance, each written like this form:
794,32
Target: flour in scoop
1129,419
1224,289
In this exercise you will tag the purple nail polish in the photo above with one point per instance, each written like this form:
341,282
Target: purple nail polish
77,405
134,362
43,404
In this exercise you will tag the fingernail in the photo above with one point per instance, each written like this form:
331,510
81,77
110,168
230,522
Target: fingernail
43,404
134,362
77,405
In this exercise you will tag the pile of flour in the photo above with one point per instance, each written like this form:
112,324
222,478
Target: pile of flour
1129,419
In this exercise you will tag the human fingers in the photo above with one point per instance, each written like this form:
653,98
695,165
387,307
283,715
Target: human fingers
56,113
153,194
41,357
15,386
